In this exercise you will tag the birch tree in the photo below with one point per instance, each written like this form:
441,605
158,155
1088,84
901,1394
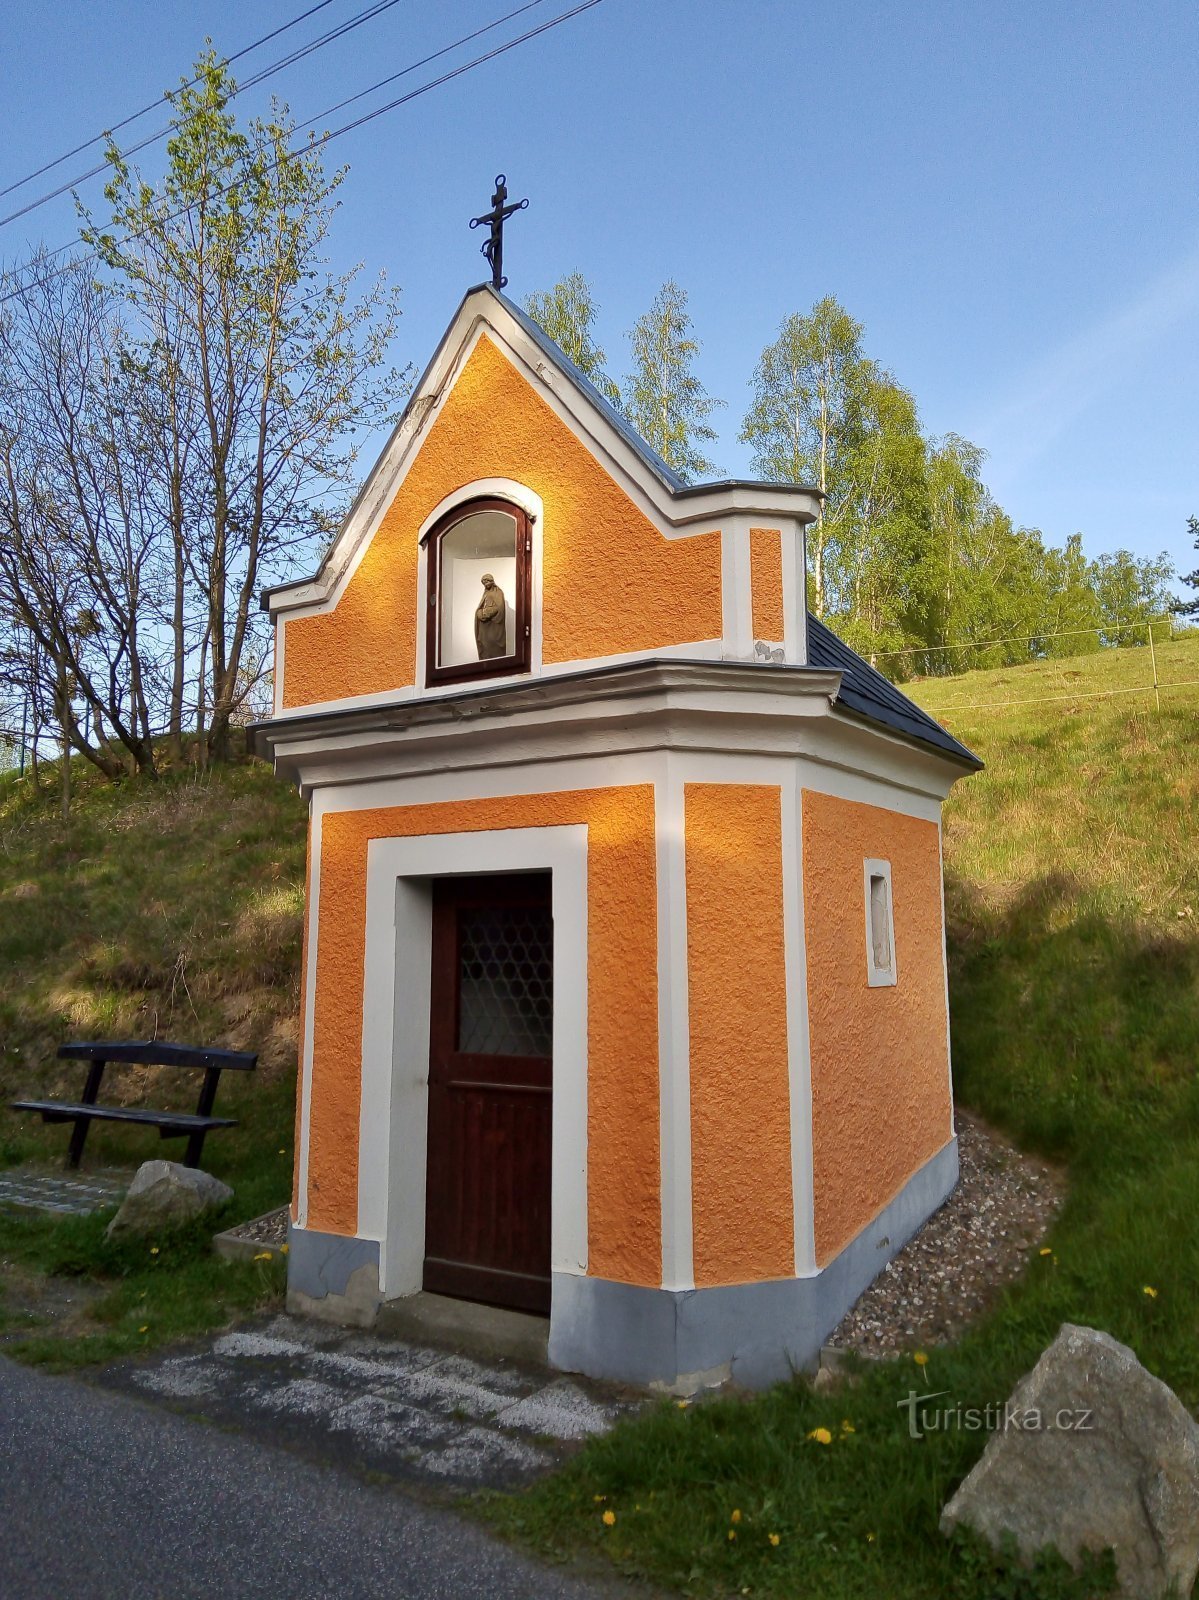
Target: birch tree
665,400
807,390
567,312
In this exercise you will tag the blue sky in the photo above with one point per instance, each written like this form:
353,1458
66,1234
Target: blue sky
1006,196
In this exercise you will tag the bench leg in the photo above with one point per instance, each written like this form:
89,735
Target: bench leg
195,1148
78,1135
91,1089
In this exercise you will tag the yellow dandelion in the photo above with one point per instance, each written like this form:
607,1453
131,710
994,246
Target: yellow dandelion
732,1534
153,1249
920,1359
599,1499
609,1519
774,1539
283,1152
821,1436
265,1255
145,1328
847,1426
869,1538
736,1517
1046,1251
682,1404
283,1249
1150,1291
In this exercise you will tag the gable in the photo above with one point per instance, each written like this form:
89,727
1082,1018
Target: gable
611,582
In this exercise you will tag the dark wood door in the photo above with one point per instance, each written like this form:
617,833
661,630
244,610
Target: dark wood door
487,1208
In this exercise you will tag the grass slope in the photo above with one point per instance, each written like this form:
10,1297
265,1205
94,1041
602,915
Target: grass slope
167,910
1073,906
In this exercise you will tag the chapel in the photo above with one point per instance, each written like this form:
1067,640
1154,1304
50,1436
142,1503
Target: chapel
624,983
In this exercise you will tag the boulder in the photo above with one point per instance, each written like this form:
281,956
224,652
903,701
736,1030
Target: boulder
1092,1451
164,1194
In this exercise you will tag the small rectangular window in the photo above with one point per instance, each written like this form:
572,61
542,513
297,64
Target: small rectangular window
880,925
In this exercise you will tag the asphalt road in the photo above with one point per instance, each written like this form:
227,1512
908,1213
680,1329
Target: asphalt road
103,1497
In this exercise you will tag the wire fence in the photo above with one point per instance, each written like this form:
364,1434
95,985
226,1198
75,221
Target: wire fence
1153,684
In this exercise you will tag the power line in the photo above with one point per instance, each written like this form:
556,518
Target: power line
154,104
289,60
358,122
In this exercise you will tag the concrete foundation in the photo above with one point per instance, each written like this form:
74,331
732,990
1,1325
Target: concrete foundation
678,1340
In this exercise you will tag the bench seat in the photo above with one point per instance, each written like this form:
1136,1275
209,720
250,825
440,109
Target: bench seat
167,1122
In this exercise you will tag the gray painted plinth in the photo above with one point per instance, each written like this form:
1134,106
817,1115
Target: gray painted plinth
753,1334
320,1264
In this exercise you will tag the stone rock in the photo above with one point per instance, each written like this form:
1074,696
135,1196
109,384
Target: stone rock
1092,1452
164,1194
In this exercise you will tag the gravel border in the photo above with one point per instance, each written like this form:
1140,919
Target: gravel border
269,1229
965,1255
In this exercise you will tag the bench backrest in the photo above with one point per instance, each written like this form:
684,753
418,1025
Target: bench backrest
154,1053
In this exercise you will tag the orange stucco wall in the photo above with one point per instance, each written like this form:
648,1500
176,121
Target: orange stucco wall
742,1207
766,582
610,582
881,1100
624,1161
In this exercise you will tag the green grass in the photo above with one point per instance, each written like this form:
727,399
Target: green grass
173,910
1072,869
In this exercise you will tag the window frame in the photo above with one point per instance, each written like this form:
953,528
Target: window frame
503,666
879,977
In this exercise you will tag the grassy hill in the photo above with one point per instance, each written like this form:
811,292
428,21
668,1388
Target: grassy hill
165,910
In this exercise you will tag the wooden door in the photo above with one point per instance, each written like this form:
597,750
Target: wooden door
487,1206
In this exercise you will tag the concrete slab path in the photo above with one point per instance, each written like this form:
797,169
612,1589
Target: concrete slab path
424,1415
103,1495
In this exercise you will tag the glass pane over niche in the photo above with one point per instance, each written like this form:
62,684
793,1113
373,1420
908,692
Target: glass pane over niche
476,586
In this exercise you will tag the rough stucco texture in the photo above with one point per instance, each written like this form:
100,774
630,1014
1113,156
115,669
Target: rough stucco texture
766,582
881,1099
610,582
742,1209
624,1158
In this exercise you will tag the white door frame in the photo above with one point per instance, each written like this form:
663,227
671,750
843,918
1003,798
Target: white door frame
393,1131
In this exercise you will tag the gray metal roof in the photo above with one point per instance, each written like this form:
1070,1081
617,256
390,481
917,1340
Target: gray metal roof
868,694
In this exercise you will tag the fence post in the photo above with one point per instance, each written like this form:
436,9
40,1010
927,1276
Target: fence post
1153,659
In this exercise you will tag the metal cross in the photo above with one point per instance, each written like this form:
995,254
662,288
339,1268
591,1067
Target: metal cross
493,248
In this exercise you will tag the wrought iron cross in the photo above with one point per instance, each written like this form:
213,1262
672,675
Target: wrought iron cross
493,247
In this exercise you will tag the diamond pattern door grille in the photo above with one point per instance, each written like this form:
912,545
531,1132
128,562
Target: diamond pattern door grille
506,981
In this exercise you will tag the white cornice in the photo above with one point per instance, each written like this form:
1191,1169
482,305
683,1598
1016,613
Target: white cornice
701,707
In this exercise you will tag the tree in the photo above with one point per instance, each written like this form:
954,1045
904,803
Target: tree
1190,608
76,529
1132,592
664,399
806,391
256,366
957,503
878,568
568,314
1072,613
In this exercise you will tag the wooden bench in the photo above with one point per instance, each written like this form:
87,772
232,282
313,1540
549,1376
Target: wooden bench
193,1125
